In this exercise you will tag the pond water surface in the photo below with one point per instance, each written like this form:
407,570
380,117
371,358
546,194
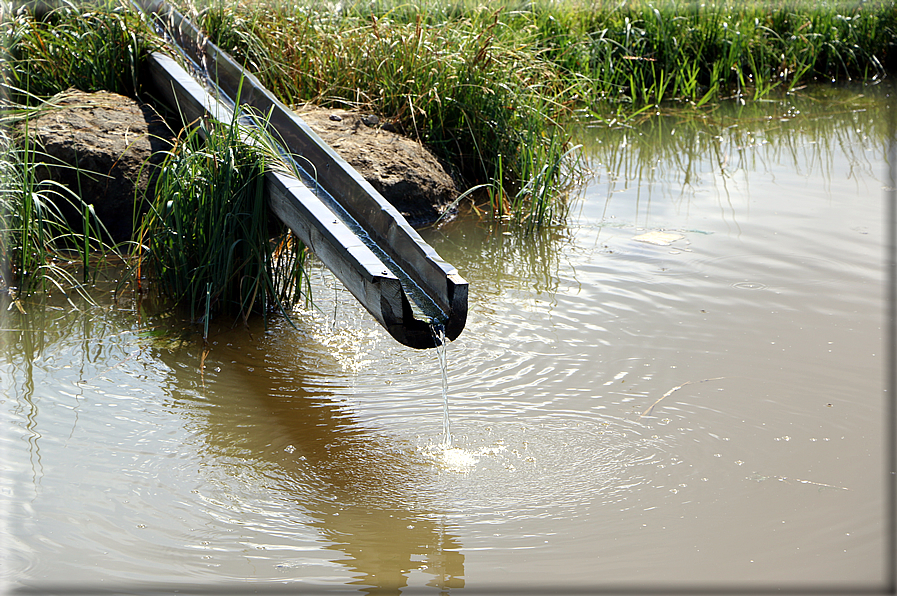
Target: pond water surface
681,389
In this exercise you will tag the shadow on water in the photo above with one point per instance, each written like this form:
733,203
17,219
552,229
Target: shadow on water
270,438
272,411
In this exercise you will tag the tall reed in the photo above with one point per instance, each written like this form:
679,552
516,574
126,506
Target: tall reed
463,86
208,242
92,45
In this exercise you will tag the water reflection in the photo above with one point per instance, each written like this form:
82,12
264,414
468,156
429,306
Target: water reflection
501,256
666,160
264,410
52,334
258,435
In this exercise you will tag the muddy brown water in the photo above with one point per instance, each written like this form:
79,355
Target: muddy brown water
683,388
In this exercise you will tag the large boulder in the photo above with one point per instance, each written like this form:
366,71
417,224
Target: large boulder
104,147
408,175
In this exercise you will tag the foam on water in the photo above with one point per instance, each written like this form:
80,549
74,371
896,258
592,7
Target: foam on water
455,458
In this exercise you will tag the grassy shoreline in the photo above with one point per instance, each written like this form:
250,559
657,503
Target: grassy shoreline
490,89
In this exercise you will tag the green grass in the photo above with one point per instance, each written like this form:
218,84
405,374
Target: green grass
92,45
493,89
647,52
490,88
40,250
465,87
208,242
88,45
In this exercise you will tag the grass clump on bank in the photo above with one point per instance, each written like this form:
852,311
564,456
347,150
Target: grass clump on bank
89,45
465,87
94,45
209,241
646,52
40,251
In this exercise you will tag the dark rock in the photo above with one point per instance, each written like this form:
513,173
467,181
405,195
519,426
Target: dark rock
408,175
106,148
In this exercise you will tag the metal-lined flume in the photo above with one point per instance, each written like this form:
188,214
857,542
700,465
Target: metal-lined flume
355,232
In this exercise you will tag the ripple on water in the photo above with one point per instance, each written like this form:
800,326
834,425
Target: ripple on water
521,436
762,270
565,463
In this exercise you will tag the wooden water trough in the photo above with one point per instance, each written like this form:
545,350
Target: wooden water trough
352,229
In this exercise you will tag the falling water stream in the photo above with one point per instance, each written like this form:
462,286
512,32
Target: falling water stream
679,389
441,354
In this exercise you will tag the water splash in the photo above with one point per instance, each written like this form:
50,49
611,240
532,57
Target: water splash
458,459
